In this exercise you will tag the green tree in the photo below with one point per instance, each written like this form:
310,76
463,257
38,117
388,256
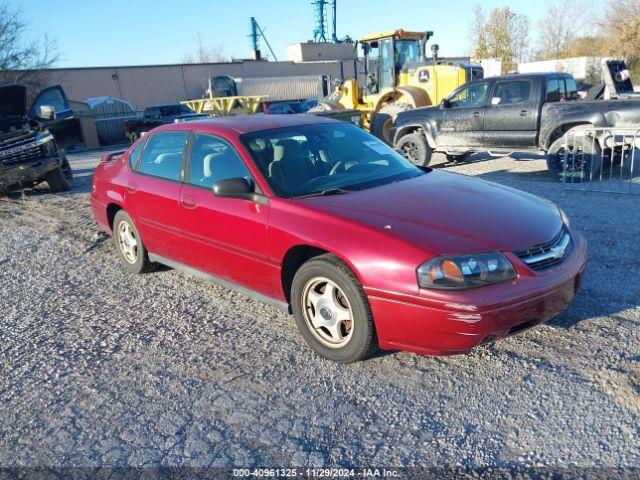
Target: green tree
503,34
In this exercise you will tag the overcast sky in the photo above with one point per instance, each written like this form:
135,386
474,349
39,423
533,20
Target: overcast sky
139,32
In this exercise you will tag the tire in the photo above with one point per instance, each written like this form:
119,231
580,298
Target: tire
458,158
139,262
383,119
60,179
416,148
586,162
357,338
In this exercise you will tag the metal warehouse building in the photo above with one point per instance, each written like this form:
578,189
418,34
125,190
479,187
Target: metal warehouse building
157,84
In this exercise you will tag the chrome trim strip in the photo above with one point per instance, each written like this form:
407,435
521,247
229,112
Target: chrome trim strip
557,251
283,306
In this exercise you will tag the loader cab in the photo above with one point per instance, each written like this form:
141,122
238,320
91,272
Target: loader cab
386,55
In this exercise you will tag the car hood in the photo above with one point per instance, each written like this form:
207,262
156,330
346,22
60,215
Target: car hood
449,213
13,101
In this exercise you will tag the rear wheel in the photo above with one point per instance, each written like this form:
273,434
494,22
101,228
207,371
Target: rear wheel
416,149
60,179
383,120
331,310
458,158
129,245
574,160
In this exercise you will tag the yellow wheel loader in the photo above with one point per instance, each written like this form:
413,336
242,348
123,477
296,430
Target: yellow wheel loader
397,76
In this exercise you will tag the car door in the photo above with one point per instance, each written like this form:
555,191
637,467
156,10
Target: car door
463,117
153,193
225,237
511,116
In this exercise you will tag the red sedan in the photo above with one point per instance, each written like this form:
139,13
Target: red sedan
327,222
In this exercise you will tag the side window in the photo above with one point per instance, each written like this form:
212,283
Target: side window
553,90
469,96
508,93
213,159
162,155
135,153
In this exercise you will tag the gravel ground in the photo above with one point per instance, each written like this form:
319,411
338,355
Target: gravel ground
103,368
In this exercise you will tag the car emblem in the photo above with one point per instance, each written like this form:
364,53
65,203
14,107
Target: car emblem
325,313
423,76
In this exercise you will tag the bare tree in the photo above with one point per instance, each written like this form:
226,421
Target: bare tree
477,34
560,28
22,60
206,54
504,35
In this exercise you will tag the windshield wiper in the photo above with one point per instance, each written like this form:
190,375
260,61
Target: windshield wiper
325,193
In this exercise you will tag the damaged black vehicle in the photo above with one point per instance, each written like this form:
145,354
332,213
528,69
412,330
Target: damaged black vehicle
29,154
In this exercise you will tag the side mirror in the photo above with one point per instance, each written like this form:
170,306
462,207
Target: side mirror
239,188
47,112
445,103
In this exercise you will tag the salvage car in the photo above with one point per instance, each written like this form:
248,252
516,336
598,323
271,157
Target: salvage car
29,153
155,116
514,113
325,221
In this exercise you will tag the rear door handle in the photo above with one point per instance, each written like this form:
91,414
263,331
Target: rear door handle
188,203
524,112
131,188
476,114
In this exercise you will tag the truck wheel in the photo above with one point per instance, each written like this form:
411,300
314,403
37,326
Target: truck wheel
332,311
383,120
583,160
129,245
60,179
416,148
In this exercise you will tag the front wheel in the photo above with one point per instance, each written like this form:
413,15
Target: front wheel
574,160
331,310
416,149
60,179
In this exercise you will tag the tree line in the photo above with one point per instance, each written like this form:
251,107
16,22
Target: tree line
568,28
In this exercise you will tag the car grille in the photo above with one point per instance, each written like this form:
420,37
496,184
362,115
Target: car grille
21,150
546,255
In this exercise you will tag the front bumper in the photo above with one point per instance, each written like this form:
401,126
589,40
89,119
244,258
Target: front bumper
28,173
418,324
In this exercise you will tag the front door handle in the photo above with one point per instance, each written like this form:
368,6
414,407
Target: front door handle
524,112
476,114
131,188
189,203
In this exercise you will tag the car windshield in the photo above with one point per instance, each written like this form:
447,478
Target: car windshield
320,159
168,110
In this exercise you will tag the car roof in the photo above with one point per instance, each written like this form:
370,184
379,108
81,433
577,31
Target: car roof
516,76
240,124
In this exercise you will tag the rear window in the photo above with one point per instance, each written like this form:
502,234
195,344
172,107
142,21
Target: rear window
162,155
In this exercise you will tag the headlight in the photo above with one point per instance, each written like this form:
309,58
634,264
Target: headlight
465,271
44,137
565,218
